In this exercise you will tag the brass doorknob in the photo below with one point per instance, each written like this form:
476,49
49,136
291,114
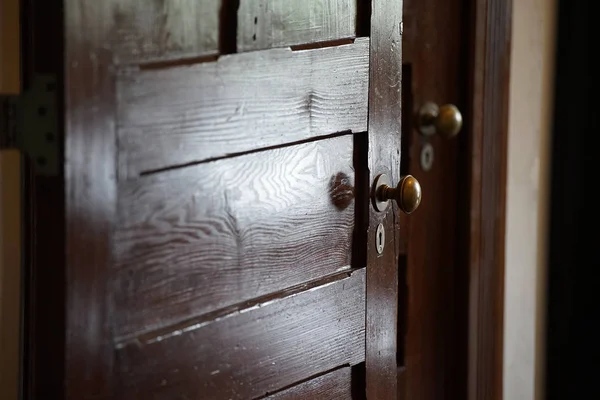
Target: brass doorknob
445,120
407,194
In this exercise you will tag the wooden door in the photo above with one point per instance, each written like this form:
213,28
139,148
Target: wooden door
433,252
221,242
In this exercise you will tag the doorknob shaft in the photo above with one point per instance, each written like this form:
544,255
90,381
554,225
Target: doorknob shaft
407,194
445,120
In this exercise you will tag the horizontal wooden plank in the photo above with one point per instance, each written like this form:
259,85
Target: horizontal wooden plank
239,103
201,238
253,352
336,384
264,24
149,31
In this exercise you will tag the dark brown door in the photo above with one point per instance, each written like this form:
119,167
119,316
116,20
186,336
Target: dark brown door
433,279
221,238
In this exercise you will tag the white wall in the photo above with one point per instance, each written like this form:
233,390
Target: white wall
531,92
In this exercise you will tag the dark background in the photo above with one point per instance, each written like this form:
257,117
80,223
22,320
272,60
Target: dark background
573,319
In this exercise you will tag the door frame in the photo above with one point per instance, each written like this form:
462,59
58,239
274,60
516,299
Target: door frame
10,42
483,213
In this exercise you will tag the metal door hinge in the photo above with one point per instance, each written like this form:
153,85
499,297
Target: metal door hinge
29,122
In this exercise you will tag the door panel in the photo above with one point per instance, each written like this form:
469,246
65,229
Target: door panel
264,24
151,31
239,103
333,385
193,240
249,352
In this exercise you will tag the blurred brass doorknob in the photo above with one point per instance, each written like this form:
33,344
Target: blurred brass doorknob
445,120
407,194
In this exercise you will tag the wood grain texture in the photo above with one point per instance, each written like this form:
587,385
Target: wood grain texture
240,103
333,385
159,30
384,157
264,24
488,110
193,240
253,352
91,199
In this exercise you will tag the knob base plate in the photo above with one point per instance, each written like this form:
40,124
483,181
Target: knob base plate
381,181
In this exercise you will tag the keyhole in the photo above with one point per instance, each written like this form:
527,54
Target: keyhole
427,157
255,22
380,239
